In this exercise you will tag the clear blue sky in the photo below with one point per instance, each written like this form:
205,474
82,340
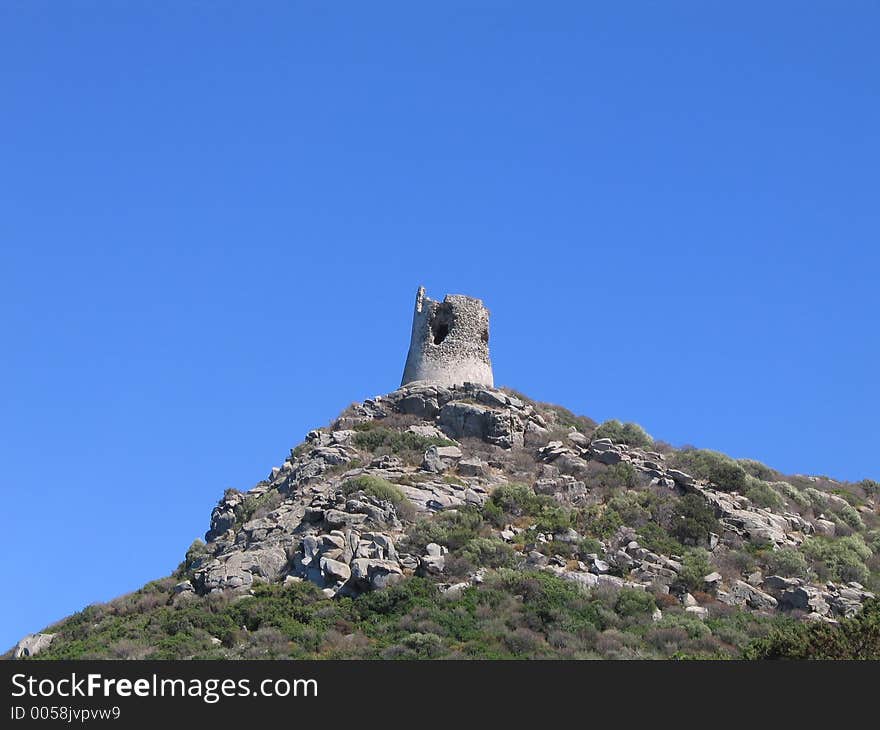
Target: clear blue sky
214,217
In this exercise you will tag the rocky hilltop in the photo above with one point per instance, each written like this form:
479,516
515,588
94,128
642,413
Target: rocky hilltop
471,521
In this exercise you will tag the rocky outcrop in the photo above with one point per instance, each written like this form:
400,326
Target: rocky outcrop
304,523
31,645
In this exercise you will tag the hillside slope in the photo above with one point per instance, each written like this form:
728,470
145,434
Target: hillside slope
473,522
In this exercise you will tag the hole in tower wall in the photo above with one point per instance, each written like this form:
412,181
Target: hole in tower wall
440,324
484,335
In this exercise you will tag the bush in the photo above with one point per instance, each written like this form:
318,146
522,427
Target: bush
718,468
758,470
839,509
843,558
695,566
374,487
793,493
488,552
787,562
423,646
763,495
693,520
658,540
376,438
853,638
633,602
599,521
624,433
870,487
452,528
509,501
693,627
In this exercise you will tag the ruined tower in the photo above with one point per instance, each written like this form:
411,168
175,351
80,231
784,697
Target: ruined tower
450,341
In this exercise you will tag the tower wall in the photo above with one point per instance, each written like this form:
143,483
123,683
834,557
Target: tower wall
450,341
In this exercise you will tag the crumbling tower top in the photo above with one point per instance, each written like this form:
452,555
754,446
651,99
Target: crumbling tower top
450,341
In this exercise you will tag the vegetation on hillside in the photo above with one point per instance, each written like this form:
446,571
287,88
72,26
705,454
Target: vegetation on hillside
514,609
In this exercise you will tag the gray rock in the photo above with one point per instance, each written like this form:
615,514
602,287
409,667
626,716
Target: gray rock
777,583
463,420
825,528
31,645
433,564
335,570
337,518
743,594
504,429
455,590
471,467
440,458
330,542
680,477
419,405
493,398
805,598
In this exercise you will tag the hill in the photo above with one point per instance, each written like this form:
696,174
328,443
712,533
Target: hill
472,522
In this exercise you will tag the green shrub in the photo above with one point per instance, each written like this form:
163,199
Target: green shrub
423,646
195,552
658,540
632,507
487,552
840,511
691,625
551,601
599,521
624,433
589,545
378,438
758,470
693,520
562,417
452,528
843,558
374,487
513,500
852,638
787,562
634,602
721,470
695,566
870,487
792,493
763,495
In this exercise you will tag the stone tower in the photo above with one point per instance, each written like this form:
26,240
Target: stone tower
450,341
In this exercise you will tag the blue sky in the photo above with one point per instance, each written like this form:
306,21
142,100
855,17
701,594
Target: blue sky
214,217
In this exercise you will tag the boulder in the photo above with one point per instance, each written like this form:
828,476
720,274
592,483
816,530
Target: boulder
805,598
338,518
422,406
743,594
777,584
711,581
31,645
679,477
463,420
440,458
471,467
335,570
